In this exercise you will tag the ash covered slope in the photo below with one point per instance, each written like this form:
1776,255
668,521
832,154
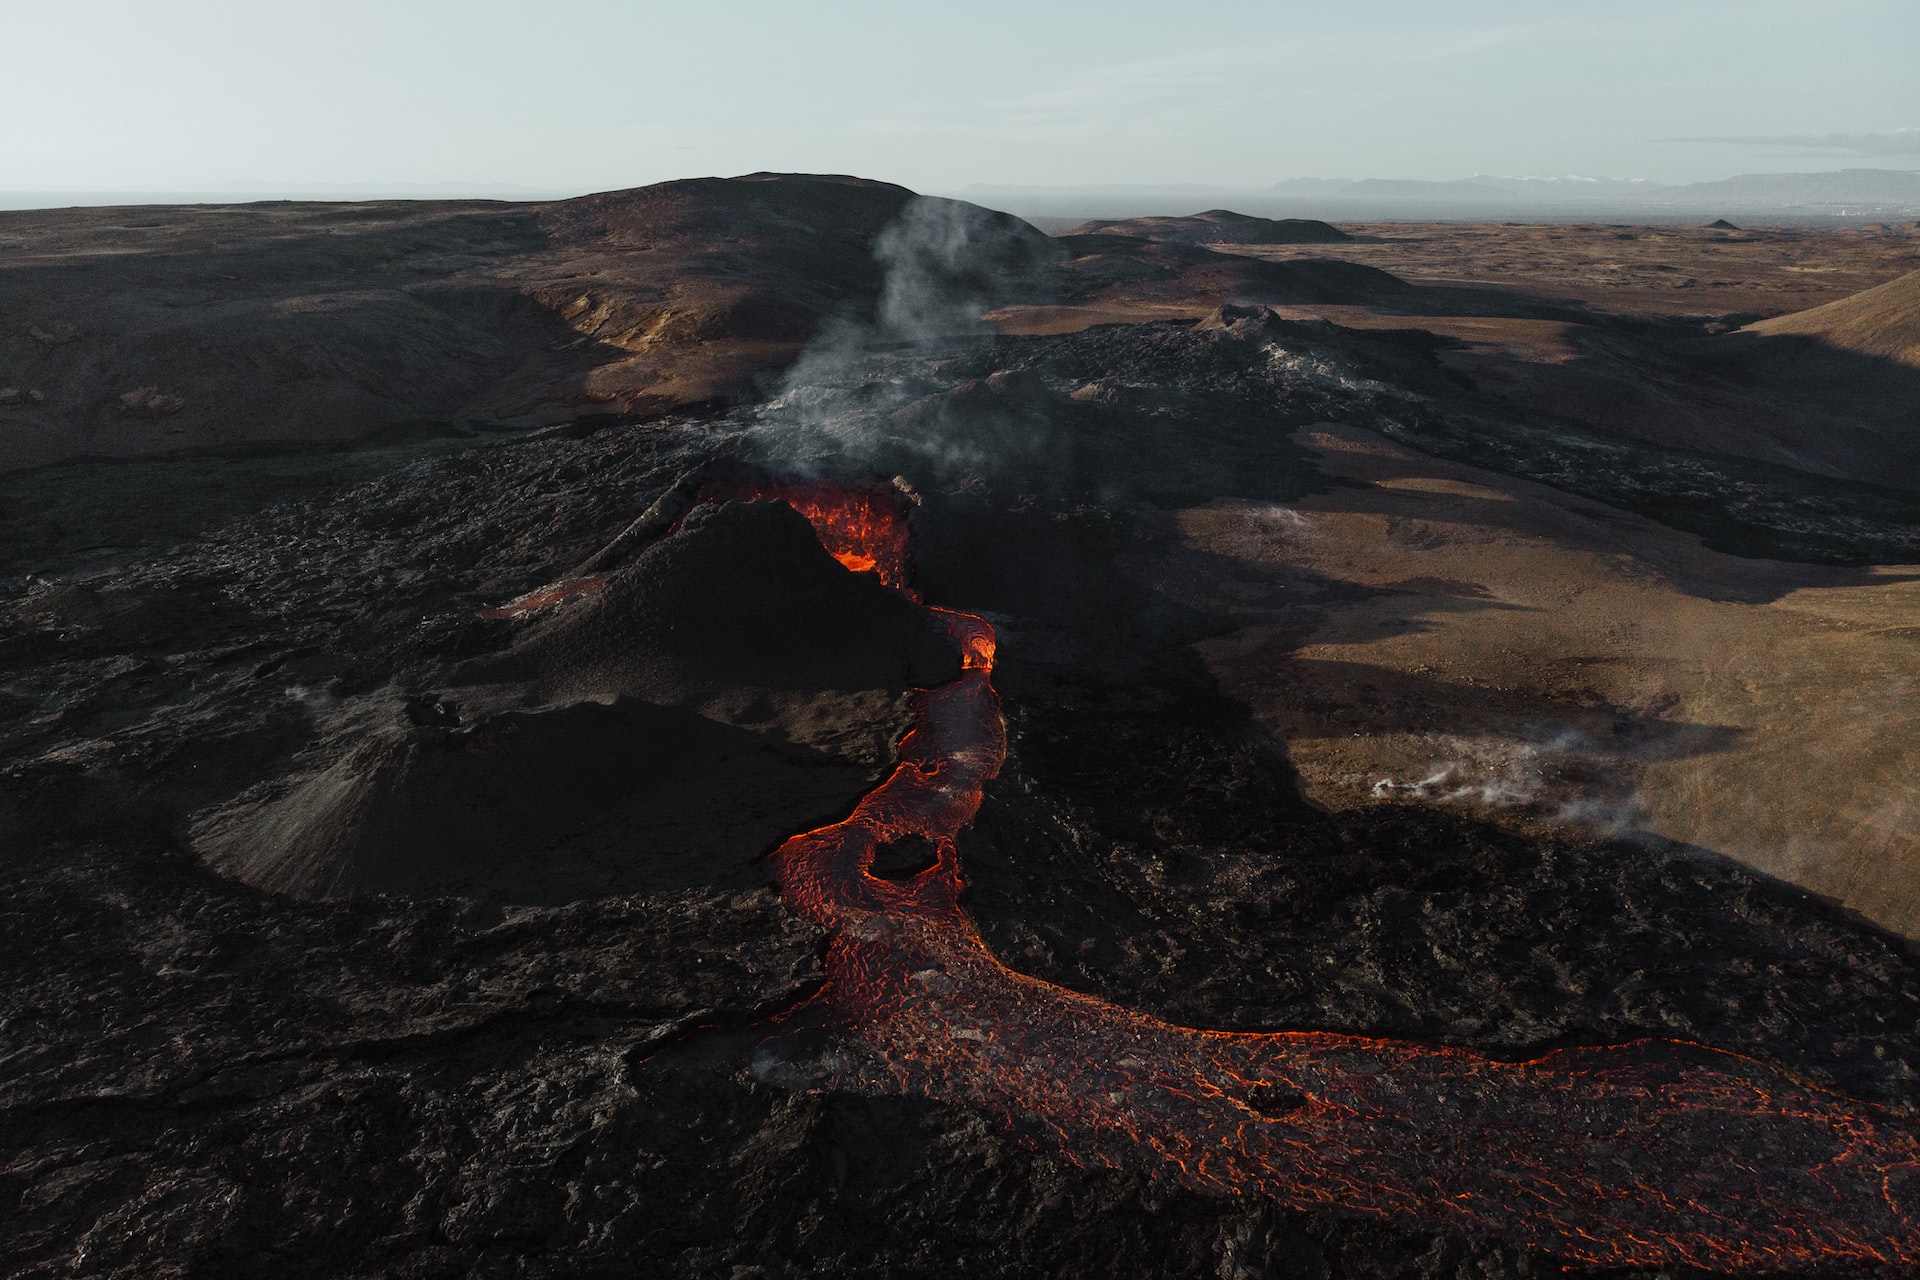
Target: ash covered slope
1123,277
136,331
732,685
1110,266
225,1081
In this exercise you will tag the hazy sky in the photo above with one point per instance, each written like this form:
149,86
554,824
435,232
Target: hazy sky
578,95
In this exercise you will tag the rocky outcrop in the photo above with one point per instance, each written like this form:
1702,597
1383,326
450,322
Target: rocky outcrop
1220,226
657,733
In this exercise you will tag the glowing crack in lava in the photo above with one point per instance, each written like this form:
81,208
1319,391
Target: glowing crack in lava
1647,1153
864,529
546,597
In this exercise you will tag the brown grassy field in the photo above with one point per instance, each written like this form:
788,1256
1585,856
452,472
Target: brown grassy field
1640,271
1509,651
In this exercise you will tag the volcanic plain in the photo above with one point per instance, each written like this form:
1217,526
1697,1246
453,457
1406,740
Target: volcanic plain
764,726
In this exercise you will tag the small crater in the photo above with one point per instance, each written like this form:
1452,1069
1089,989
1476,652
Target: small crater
905,858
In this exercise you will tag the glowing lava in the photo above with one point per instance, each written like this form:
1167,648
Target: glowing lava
1648,1153
1639,1154
546,597
864,529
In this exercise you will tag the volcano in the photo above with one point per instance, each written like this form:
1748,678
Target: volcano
1085,755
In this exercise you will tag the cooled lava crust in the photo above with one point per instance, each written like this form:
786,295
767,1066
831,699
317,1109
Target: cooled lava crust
1650,1153
1178,966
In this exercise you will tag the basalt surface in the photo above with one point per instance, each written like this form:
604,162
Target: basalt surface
520,1073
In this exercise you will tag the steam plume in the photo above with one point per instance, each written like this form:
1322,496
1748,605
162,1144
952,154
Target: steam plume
847,398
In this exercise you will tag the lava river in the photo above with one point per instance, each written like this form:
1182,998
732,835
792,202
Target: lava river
1645,1153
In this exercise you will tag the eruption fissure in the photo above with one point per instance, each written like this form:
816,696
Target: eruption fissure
1647,1153
859,527
1637,1154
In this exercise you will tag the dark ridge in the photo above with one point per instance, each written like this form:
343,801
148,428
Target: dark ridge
1220,226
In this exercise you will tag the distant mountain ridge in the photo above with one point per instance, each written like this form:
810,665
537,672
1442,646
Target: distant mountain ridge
1850,193
1220,226
1844,186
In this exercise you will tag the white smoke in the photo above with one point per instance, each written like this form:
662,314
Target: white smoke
798,1074
1566,779
1285,517
312,699
945,263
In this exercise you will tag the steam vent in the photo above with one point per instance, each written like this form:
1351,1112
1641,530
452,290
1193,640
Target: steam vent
778,726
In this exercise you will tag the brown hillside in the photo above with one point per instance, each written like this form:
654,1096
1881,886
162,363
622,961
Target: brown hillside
134,331
1111,267
1883,321
1220,226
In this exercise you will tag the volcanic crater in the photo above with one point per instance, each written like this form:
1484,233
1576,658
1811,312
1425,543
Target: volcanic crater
872,739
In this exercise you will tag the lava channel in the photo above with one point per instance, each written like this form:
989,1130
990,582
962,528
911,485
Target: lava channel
1647,1153
1652,1152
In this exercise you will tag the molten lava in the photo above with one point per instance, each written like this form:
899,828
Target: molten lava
1639,1154
864,529
1653,1152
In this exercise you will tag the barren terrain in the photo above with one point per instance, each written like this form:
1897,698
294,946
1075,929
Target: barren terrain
134,331
642,735
1550,663
1640,271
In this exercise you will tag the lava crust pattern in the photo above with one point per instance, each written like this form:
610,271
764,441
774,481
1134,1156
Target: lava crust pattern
1650,1152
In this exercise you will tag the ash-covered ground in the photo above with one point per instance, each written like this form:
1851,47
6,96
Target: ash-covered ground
353,931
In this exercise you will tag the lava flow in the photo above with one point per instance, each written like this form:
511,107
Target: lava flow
864,529
1638,1154
546,597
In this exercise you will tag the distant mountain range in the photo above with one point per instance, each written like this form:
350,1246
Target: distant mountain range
1864,194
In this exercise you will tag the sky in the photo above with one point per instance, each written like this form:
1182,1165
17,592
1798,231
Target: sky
568,96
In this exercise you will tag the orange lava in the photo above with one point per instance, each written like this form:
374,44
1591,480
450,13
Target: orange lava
546,597
1654,1152
864,529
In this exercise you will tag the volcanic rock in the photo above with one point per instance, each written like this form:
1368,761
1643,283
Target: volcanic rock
310,323
150,402
731,685
740,596
553,1020
1108,266
1220,226
1015,382
554,805
1228,318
